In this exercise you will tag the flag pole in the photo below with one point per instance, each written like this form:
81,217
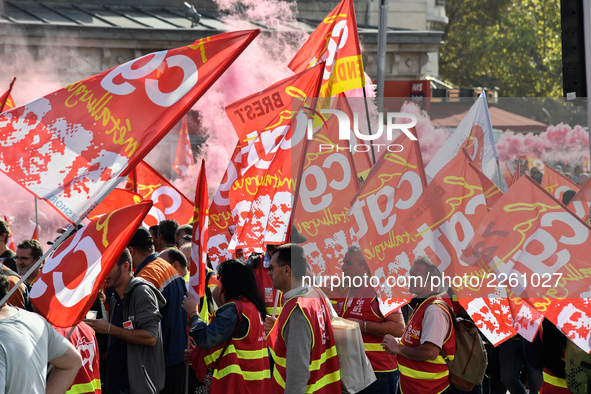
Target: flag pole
36,220
373,155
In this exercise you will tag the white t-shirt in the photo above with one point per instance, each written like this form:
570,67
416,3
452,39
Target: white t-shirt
27,343
435,326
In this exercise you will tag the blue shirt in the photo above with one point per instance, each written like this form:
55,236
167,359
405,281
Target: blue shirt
117,354
219,330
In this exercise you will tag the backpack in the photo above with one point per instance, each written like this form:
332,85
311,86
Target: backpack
468,366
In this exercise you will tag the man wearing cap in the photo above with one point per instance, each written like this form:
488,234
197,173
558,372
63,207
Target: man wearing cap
164,277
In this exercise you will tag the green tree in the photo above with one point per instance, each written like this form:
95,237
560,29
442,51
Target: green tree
512,45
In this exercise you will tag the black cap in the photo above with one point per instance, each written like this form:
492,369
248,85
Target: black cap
296,237
142,238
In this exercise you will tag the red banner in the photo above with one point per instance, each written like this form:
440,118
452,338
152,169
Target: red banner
335,41
199,245
446,218
183,157
115,200
220,215
328,183
261,195
531,245
71,146
70,279
552,181
581,202
516,174
169,202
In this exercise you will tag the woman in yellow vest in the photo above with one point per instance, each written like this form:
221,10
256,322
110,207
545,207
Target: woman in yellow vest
236,349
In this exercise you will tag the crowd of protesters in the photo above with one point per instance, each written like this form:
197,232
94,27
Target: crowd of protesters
257,329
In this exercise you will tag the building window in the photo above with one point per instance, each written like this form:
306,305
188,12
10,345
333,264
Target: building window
440,3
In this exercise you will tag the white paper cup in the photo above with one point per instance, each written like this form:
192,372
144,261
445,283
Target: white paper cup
91,314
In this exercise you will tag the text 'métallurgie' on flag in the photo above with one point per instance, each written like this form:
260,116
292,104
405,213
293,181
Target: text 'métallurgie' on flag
71,147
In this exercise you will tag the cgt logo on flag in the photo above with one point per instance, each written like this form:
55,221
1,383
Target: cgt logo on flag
71,277
350,129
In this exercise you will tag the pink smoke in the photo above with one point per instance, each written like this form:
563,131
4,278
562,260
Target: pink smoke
430,138
558,143
263,63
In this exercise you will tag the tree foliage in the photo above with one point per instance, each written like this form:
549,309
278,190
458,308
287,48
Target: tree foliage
512,45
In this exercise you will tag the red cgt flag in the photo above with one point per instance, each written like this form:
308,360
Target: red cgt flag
72,146
336,42
261,194
533,246
169,202
199,246
71,277
183,157
115,200
220,215
328,183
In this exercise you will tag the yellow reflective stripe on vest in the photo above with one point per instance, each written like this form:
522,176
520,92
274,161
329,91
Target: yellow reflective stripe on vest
325,381
373,347
241,354
328,353
413,373
314,365
246,375
278,360
89,387
554,380
279,379
440,360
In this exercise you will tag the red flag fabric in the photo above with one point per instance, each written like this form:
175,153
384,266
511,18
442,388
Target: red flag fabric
261,194
572,317
530,244
553,182
506,172
250,116
393,186
169,202
446,217
115,200
336,42
221,221
199,246
581,202
183,157
327,185
516,174
72,275
71,146
6,100
10,241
